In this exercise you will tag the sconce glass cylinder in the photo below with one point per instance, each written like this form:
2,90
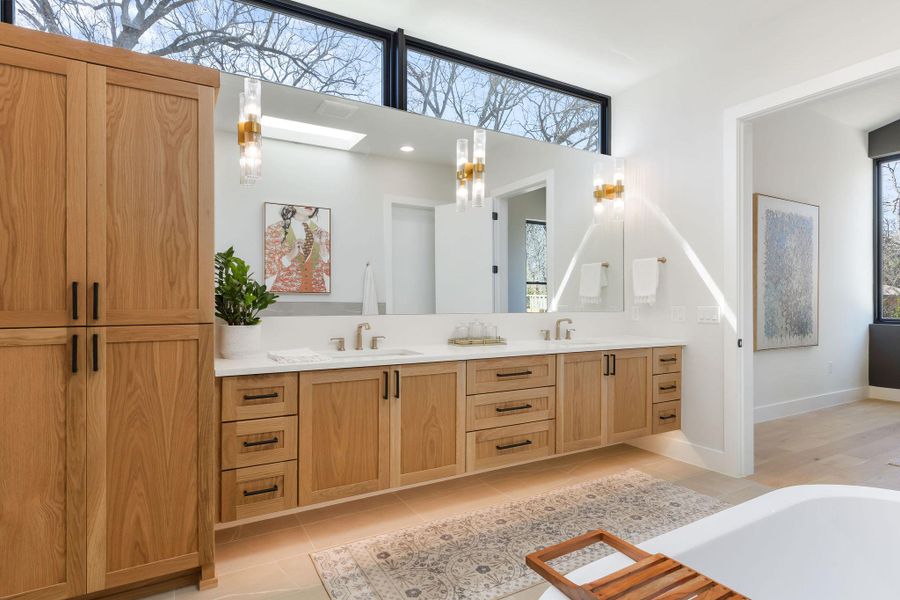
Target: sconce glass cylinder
479,157
462,186
598,176
618,208
252,98
249,132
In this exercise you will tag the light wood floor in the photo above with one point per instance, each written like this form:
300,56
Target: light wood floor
270,560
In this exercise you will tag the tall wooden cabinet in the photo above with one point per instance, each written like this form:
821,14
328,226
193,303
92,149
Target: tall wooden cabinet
106,378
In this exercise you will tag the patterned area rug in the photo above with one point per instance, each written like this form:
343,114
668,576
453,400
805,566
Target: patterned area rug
481,555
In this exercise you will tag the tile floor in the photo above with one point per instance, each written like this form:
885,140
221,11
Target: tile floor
270,560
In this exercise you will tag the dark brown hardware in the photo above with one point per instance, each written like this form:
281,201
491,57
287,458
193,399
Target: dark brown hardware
74,353
509,408
96,307
516,445
666,418
386,384
95,352
260,396
273,440
74,300
397,383
673,359
516,374
666,388
606,364
613,372
268,490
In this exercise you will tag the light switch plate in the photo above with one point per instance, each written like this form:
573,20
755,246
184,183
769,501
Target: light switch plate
708,315
678,314
635,313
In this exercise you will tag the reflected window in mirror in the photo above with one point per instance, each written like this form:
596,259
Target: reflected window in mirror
535,266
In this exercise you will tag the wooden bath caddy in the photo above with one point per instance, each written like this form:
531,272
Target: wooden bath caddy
651,577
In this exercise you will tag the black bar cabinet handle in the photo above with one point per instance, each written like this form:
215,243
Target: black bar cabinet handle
95,352
667,388
666,418
516,445
673,359
96,302
273,440
74,300
386,385
268,490
613,364
74,353
397,383
509,408
516,374
260,396
606,364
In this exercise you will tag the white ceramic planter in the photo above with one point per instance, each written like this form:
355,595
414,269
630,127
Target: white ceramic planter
237,341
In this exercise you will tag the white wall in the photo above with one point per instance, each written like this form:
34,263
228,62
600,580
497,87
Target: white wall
801,155
412,260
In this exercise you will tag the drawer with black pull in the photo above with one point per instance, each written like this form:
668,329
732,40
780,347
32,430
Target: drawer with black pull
667,360
502,446
666,416
254,491
512,373
259,396
484,411
257,442
666,387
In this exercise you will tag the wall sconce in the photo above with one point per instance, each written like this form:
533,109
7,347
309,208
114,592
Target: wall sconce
473,172
610,193
250,131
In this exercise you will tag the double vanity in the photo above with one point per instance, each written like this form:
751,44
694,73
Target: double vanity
365,421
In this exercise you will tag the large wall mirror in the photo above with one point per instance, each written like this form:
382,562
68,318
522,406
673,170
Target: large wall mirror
349,187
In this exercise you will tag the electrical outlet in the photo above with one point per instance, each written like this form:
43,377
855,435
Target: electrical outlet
635,313
678,314
708,315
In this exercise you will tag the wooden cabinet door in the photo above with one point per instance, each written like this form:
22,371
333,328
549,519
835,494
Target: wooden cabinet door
42,190
149,182
344,433
579,419
629,394
42,462
149,473
428,422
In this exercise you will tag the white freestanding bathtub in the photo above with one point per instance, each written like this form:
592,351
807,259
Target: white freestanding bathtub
822,542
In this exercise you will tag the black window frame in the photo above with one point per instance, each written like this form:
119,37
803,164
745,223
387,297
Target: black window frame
396,44
876,188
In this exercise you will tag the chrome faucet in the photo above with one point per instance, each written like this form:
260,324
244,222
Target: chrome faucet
359,330
560,322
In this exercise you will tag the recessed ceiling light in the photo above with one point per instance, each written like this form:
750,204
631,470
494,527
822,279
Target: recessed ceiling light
406,148
307,133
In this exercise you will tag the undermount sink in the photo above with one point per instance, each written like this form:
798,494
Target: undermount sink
373,354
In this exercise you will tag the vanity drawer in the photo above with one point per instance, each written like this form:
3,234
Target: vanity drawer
509,445
666,387
666,360
254,491
484,411
511,373
257,442
666,416
259,396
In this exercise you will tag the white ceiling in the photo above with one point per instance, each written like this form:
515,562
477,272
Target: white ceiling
867,106
601,45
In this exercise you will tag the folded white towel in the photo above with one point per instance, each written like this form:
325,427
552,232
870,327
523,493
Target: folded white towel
297,356
593,280
370,297
645,280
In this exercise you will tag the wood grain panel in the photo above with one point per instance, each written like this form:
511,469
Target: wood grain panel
42,461
666,416
510,373
503,446
580,422
149,227
244,495
666,387
667,360
344,433
259,396
42,193
428,422
257,442
510,408
629,395
144,418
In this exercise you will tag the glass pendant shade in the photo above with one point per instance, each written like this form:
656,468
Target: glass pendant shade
250,136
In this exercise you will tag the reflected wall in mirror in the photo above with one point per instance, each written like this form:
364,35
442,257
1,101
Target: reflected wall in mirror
388,178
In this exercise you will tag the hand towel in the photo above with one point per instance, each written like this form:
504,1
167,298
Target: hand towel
645,279
593,280
297,356
370,297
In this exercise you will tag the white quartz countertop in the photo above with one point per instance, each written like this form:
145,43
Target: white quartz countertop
259,363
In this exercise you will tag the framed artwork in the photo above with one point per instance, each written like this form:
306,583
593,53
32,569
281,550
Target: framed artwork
298,249
785,273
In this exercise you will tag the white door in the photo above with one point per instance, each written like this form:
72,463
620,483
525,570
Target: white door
412,260
463,258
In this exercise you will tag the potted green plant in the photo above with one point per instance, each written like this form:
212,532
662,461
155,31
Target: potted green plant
239,300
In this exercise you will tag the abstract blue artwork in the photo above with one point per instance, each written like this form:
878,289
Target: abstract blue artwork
786,273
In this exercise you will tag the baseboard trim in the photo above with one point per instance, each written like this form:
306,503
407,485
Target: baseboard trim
798,406
674,445
883,393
